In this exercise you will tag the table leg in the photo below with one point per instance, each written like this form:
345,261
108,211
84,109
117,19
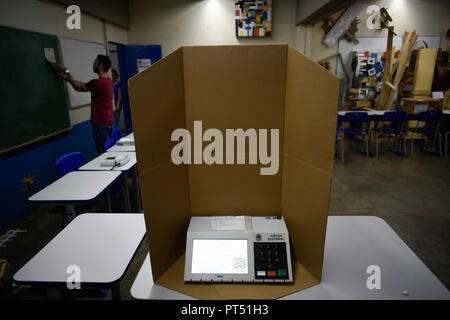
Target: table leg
108,202
126,192
115,292
53,293
70,213
137,190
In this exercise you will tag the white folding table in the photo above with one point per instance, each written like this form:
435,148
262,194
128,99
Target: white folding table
369,112
128,138
100,245
118,147
353,243
130,166
122,148
76,187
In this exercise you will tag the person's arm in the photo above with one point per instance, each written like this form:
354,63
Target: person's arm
119,99
77,85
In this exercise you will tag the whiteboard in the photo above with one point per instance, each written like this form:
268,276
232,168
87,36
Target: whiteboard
78,56
374,44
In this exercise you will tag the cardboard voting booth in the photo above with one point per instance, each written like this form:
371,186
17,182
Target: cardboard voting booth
260,87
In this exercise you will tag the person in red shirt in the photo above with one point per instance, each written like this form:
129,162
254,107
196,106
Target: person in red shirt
102,116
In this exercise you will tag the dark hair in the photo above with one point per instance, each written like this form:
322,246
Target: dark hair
105,61
114,72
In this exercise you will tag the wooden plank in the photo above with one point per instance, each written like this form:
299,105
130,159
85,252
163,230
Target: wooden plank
405,53
424,71
390,85
387,71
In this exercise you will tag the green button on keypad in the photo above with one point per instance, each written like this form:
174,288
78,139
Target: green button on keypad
282,272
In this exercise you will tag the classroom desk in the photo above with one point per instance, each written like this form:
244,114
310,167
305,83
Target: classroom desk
129,137
130,166
375,115
76,187
369,112
101,245
352,244
124,148
118,147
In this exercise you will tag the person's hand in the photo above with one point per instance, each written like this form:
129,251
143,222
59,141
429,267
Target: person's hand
60,68
63,75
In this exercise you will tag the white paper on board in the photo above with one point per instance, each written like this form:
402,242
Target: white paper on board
143,64
50,55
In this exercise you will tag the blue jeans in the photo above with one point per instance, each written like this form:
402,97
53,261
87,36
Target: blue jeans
101,133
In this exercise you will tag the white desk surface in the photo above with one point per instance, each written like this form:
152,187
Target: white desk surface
101,244
128,137
119,148
95,164
76,186
370,113
377,112
352,244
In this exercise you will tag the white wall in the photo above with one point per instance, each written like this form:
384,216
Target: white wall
50,18
175,23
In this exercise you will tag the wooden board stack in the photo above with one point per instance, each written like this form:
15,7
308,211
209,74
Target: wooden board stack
396,71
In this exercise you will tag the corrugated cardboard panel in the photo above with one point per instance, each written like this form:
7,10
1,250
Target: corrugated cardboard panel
310,128
173,279
230,87
227,88
311,111
424,71
305,201
234,189
166,210
157,104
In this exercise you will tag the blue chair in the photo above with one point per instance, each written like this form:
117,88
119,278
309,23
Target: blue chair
68,163
109,143
116,134
432,120
392,123
358,127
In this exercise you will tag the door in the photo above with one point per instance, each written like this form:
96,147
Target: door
133,59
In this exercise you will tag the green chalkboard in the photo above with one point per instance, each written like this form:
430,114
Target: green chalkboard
33,104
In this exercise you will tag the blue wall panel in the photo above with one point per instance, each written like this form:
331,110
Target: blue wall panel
38,161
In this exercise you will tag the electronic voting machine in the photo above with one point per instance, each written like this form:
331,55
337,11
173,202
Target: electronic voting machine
237,249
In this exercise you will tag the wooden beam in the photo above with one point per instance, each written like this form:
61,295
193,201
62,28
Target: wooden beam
390,85
387,71
405,53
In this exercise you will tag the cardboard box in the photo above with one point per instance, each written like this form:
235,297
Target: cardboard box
229,87
424,72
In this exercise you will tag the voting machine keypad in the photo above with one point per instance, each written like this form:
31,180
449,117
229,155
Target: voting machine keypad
270,261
